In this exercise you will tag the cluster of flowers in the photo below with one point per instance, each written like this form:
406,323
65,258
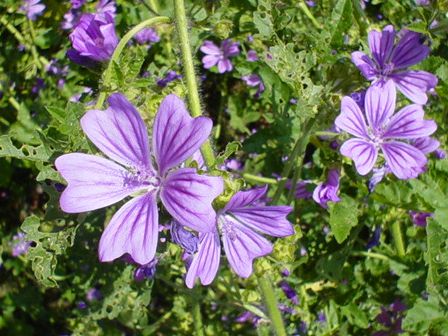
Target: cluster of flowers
159,173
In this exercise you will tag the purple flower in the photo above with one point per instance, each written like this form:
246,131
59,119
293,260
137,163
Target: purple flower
328,191
426,144
146,272
321,317
71,19
239,224
390,61
19,244
95,182
219,56
375,239
252,56
32,8
311,3
184,238
359,97
419,218
170,76
440,154
301,191
254,80
248,316
147,35
93,39
382,132
422,2
39,85
107,8
377,176
76,4
94,294
289,292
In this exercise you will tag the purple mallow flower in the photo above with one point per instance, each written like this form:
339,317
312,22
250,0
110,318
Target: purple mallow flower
106,7
19,244
170,76
252,56
240,224
184,238
71,19
375,239
94,294
254,80
93,39
32,8
289,292
390,62
146,272
95,182
147,36
419,218
219,56
328,191
385,132
76,4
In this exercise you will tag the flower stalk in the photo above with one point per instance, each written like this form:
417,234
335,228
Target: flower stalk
119,49
398,238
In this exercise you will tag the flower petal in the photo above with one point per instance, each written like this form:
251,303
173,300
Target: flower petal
242,246
426,144
134,229
244,198
119,132
364,64
209,48
351,118
408,123
93,182
380,104
176,135
209,61
381,44
188,198
362,152
410,50
205,263
415,84
404,160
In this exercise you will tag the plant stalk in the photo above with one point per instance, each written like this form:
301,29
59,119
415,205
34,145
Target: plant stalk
271,305
398,238
120,47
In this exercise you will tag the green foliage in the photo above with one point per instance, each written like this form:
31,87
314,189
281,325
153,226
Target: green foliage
343,217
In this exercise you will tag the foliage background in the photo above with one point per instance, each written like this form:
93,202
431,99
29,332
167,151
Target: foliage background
304,54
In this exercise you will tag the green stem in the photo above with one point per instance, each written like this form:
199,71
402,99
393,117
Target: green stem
196,312
190,76
13,30
398,238
298,150
271,305
119,49
307,12
259,179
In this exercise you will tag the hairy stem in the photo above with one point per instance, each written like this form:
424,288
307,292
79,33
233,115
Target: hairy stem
190,76
271,305
398,238
119,49
259,179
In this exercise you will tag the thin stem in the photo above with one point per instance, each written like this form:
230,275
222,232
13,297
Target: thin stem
398,238
307,12
119,49
196,311
298,150
190,76
259,179
271,305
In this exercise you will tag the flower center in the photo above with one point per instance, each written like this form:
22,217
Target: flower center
225,226
139,178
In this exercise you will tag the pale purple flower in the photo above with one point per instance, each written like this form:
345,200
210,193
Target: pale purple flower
19,244
76,4
426,144
419,218
146,272
170,76
377,176
328,191
301,191
359,97
440,154
95,182
94,294
252,56
71,19
384,131
184,238
93,39
219,56
32,8
311,3
321,317
146,36
254,80
106,8
390,62
240,224
422,2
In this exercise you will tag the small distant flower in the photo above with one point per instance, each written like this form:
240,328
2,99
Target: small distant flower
94,294
422,2
39,85
321,317
76,97
71,19
248,316
301,191
233,165
32,9
19,244
311,3
240,224
293,101
145,272
384,131
76,4
170,76
147,35
375,239
219,56
250,38
391,319
328,191
254,80
419,218
106,8
289,292
93,39
390,62
252,56
285,273
440,154
95,182
81,305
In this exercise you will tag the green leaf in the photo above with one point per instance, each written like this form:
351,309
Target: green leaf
422,316
231,148
343,216
263,19
341,20
25,152
355,315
